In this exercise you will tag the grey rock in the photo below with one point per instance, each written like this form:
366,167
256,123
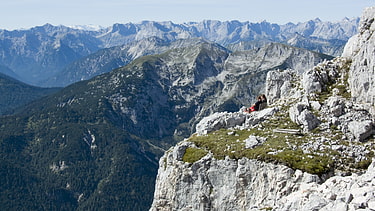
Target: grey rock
361,130
299,114
296,110
253,141
315,105
371,204
220,120
315,202
348,198
279,84
336,106
308,120
255,117
222,184
227,120
250,185
361,49
311,82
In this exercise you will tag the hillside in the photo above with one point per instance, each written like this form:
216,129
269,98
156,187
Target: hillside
15,94
312,148
105,60
95,144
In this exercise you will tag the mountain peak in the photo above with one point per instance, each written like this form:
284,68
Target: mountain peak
317,20
89,27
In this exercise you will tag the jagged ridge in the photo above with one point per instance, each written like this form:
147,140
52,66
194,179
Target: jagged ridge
41,53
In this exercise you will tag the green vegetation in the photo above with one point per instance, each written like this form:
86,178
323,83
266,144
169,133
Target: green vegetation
193,154
341,83
105,166
110,173
15,94
278,148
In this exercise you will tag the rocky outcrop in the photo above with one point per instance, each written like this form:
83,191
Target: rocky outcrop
246,184
300,114
280,85
227,120
211,184
250,184
355,192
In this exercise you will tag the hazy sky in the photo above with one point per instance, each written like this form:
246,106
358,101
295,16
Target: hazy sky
16,14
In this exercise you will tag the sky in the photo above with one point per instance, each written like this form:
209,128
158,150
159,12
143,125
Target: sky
23,14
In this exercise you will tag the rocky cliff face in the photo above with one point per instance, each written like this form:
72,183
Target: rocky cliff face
311,149
362,51
248,184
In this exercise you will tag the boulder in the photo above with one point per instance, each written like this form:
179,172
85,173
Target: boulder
296,110
255,117
336,105
315,105
254,141
279,84
225,120
361,130
220,120
311,82
299,114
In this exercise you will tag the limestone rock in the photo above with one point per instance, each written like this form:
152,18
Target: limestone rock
361,129
245,184
211,184
227,120
220,120
253,141
362,51
299,114
255,117
280,84
311,82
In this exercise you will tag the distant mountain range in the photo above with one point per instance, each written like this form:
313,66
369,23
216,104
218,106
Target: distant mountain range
42,54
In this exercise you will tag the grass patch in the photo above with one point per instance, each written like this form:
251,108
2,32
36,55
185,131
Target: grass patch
339,83
278,148
193,154
311,163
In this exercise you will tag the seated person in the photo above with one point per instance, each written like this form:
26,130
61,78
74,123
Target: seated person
255,106
259,105
263,105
